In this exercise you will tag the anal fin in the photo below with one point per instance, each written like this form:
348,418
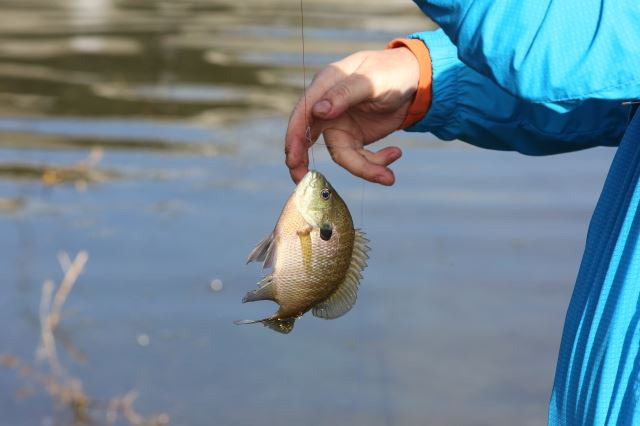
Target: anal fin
263,292
283,326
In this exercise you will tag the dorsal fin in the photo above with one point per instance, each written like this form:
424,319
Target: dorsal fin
264,251
343,299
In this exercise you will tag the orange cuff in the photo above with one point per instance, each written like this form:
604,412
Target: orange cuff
422,99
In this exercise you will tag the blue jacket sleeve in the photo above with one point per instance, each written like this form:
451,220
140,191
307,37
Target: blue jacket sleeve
467,105
555,52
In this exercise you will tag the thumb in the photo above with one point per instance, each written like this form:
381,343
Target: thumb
346,93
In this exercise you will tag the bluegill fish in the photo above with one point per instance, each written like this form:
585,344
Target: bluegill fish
316,254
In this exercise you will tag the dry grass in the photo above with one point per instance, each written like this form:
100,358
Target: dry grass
80,174
11,205
51,375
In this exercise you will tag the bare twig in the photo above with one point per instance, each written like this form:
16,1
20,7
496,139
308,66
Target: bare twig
71,275
64,260
80,173
65,389
47,348
51,306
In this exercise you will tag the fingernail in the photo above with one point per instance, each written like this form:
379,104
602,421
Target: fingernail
322,107
384,180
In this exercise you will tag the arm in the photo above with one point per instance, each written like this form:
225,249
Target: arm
352,103
468,106
562,59
555,52
366,96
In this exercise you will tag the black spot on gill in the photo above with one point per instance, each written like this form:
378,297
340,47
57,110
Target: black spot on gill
325,231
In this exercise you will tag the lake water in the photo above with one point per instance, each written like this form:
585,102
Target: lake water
184,105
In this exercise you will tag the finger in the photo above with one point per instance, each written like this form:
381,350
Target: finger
350,91
343,152
296,145
296,141
297,158
384,157
322,83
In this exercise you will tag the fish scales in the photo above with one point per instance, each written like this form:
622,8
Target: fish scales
316,254
297,286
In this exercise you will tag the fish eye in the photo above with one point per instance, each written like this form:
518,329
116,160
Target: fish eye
325,193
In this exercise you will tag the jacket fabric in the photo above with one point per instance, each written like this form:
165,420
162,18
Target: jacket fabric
545,77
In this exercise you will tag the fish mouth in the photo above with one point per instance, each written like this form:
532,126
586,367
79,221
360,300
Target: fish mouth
310,178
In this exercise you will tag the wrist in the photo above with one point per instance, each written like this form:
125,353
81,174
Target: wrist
421,101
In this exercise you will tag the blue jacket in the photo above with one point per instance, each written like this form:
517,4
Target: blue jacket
543,77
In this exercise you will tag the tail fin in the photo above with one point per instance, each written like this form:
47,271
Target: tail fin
284,325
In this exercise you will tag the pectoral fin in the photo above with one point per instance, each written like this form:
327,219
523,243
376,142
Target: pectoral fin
265,251
343,299
305,245
305,230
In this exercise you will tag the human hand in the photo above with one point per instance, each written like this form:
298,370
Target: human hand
352,103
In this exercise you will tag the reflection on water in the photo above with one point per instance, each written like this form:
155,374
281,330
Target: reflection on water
89,12
473,253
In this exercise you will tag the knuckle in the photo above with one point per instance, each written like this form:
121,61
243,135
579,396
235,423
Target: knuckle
361,55
340,92
291,162
334,153
323,73
338,156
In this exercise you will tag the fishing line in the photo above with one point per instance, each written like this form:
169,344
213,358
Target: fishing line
362,206
307,133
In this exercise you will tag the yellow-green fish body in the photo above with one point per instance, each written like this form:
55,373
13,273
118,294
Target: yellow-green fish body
316,254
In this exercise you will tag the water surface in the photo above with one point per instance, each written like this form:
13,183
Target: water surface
184,106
